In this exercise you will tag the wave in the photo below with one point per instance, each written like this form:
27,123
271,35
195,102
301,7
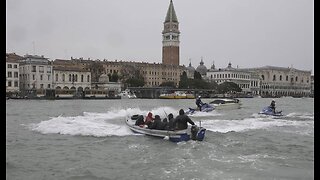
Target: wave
112,123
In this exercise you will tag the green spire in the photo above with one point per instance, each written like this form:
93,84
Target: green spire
171,14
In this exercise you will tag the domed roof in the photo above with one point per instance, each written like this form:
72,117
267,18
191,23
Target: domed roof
229,66
190,68
202,69
104,78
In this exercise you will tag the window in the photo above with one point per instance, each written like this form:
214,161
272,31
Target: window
41,77
34,68
63,77
57,77
48,77
48,69
76,78
81,77
49,86
274,77
70,79
296,78
33,77
262,76
9,74
287,78
15,83
280,78
88,78
15,74
41,69
15,66
9,83
41,86
9,65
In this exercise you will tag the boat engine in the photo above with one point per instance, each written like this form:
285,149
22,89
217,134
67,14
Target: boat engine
194,132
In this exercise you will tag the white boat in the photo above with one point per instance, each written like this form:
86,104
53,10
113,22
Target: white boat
177,95
127,94
192,133
226,103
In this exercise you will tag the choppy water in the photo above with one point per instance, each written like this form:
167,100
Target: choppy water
88,139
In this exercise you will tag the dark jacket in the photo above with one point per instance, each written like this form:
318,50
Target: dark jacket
139,121
163,125
181,122
156,123
170,125
273,106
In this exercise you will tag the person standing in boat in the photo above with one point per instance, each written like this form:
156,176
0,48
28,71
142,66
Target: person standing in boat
273,106
182,120
199,103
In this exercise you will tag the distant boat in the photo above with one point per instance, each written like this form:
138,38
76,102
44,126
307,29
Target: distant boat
177,95
226,103
127,94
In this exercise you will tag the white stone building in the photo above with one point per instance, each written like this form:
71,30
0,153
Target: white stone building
12,72
71,78
248,81
280,81
36,73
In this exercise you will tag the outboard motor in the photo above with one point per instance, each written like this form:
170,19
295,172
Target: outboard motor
194,132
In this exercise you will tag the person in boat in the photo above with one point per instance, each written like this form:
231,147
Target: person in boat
164,124
149,119
157,124
273,106
182,120
140,121
199,103
170,123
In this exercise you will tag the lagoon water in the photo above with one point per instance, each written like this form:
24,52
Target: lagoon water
88,139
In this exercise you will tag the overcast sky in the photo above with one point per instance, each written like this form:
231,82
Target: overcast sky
247,33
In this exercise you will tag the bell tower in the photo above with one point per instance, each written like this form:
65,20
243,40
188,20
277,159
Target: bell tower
170,38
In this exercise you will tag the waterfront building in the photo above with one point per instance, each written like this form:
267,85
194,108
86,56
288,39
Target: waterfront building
12,72
69,78
280,81
247,80
154,74
170,38
35,73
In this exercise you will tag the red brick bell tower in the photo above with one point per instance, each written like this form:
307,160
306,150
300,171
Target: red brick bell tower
170,38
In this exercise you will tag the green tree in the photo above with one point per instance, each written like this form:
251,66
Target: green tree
96,69
228,87
135,82
113,77
197,75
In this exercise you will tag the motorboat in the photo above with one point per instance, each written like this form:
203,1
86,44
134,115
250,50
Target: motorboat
191,133
204,108
268,111
177,95
226,103
127,94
